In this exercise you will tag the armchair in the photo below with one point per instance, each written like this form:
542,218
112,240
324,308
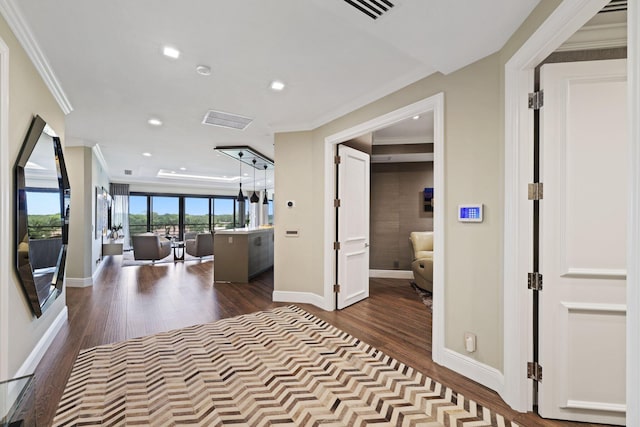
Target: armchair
200,245
422,265
148,246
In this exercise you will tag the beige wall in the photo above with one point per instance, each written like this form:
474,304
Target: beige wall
473,169
28,95
397,209
85,173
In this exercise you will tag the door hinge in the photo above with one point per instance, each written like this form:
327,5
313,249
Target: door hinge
336,203
536,100
337,160
336,288
336,246
535,281
534,371
535,191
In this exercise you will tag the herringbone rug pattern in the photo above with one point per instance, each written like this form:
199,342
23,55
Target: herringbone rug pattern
283,367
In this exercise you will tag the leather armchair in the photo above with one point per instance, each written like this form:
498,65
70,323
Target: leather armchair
150,247
422,265
200,245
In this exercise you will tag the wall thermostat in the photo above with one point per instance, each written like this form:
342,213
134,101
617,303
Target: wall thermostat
470,213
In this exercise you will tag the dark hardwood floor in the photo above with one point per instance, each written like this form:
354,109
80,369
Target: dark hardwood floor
133,301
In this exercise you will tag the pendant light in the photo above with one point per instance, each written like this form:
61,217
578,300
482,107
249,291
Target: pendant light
240,195
265,201
254,196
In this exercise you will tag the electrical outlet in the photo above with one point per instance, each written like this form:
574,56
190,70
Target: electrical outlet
469,342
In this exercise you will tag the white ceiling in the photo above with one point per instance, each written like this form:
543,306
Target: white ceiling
333,59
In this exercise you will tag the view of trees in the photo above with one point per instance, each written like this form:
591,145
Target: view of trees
44,226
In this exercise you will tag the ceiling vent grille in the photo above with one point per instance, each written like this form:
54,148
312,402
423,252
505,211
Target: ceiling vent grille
226,120
374,9
615,6
128,172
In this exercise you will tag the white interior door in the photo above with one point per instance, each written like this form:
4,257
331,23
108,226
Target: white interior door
583,241
353,226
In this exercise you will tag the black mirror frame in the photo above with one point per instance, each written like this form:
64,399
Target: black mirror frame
23,267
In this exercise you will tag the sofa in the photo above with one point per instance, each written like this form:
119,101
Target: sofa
150,247
199,245
422,264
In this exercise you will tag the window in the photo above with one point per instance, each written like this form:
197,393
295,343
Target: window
196,214
223,213
138,214
165,216
45,218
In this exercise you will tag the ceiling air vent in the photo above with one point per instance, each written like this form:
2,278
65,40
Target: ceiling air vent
615,6
372,8
128,172
226,120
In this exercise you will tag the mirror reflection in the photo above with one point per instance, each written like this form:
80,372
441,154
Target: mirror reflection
43,215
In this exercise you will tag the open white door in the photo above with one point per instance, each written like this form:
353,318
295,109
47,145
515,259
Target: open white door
353,226
583,241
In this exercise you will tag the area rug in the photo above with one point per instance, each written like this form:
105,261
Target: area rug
425,295
283,367
128,261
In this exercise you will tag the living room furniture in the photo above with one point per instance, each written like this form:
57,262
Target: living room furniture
150,247
200,245
422,264
178,250
242,254
112,247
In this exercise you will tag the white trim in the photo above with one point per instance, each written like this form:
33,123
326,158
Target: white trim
568,17
402,158
402,141
596,273
596,406
302,298
633,232
98,153
588,306
5,227
391,274
434,103
28,41
78,282
471,368
31,362
604,36
83,282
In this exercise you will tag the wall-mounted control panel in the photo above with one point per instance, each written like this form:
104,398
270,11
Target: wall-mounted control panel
470,213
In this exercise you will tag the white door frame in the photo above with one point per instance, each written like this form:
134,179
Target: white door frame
5,201
433,103
519,73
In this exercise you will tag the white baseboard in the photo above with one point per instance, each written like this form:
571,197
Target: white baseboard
479,372
83,282
301,297
30,364
391,274
78,282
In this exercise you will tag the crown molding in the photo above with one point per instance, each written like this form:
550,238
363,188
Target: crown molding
604,36
28,41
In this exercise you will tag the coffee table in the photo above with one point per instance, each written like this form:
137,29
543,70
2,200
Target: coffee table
178,250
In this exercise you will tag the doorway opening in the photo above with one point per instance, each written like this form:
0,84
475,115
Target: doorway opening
434,104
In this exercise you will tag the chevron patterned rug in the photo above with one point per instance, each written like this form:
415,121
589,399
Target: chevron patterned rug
283,367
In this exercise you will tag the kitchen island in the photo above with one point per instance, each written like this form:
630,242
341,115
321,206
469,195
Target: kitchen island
242,253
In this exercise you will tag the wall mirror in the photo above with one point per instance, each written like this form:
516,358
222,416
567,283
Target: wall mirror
42,219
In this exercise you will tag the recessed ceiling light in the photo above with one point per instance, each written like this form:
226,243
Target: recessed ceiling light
416,117
154,122
277,85
183,169
146,154
171,52
203,70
